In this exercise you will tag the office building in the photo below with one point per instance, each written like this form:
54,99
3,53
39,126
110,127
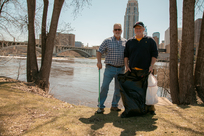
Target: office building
63,39
145,31
197,29
79,44
167,36
130,18
156,36
167,40
161,45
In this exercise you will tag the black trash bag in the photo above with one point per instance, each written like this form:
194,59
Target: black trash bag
133,86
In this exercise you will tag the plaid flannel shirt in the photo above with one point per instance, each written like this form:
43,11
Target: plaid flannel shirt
114,51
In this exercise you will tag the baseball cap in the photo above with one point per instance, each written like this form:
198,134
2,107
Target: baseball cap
139,24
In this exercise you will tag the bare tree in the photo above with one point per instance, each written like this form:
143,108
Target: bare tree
11,18
174,86
186,84
32,68
33,75
43,30
2,3
41,77
199,70
186,93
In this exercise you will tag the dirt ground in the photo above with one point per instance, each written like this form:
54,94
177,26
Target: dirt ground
23,111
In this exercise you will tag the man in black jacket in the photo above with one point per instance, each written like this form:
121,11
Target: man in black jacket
140,52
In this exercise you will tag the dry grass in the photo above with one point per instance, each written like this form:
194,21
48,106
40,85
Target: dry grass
24,112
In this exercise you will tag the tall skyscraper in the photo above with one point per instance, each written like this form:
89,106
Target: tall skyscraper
167,36
156,36
145,31
161,45
130,18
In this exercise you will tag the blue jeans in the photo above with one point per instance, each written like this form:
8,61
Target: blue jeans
109,74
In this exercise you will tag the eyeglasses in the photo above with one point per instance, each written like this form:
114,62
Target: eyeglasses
117,29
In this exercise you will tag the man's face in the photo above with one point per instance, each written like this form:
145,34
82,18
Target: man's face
117,31
139,30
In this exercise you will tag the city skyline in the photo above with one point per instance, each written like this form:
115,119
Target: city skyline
95,22
154,15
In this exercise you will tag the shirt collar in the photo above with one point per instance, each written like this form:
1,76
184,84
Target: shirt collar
116,39
134,37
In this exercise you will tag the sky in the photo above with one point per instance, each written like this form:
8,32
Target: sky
95,22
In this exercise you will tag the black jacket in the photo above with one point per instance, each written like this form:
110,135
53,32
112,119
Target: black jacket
140,53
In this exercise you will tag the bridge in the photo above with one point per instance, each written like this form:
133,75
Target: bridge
85,52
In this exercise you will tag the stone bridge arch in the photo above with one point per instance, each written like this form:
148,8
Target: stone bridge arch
81,52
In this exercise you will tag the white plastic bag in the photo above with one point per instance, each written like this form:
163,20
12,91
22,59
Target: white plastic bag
151,94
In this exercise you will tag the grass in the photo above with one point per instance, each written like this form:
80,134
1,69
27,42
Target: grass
24,112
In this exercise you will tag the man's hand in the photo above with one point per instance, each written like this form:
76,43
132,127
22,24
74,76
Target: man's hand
126,64
127,69
98,56
99,65
152,64
151,69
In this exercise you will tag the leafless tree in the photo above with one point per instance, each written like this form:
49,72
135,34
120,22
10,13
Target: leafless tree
11,18
2,4
186,83
199,70
41,77
173,65
186,93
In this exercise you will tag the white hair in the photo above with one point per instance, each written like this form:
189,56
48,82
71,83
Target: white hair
117,24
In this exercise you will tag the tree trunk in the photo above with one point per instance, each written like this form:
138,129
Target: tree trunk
32,67
43,34
174,86
186,84
46,65
199,70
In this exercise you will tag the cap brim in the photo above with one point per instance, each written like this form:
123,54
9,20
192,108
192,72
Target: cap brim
137,25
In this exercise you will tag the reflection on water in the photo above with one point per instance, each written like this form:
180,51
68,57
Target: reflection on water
66,71
74,80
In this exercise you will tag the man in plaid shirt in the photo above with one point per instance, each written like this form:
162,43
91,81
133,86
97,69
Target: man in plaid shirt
113,47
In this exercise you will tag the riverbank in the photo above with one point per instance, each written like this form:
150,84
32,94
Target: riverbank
26,110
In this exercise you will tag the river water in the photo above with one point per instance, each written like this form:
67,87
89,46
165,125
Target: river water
73,80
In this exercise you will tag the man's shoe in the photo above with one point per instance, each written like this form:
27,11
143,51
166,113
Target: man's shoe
152,113
115,109
123,115
100,111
